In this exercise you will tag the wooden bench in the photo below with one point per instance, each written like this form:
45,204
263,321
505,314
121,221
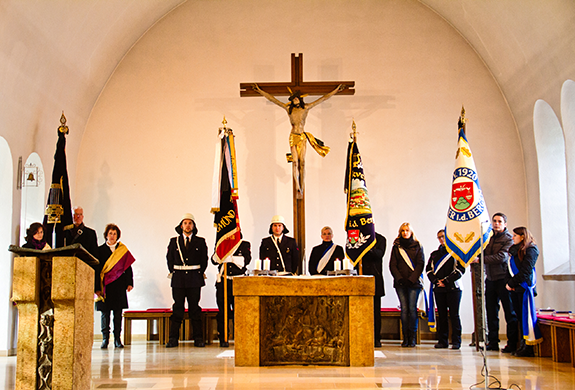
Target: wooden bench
393,315
151,316
161,318
558,338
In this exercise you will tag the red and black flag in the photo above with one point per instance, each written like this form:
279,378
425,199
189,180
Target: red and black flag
224,197
359,221
58,214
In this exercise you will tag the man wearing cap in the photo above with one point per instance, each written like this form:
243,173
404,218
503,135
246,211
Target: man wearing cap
281,250
81,234
187,261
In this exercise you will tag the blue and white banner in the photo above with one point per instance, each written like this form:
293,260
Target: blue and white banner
467,216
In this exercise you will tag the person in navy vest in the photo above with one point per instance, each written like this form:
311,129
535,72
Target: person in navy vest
187,261
237,266
444,272
323,256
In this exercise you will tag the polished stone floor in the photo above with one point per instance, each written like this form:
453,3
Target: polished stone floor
147,365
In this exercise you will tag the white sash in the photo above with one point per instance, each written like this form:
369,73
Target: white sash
441,263
279,251
324,260
405,257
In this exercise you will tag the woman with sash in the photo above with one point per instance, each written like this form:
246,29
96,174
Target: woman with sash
406,265
444,272
524,253
35,237
113,278
323,256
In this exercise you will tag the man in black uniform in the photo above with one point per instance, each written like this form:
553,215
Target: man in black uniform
187,261
81,234
281,250
372,263
236,266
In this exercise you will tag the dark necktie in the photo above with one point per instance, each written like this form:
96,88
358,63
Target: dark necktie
187,242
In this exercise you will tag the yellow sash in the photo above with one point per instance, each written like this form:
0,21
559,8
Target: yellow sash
118,253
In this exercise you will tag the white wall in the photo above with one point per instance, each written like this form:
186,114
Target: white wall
147,153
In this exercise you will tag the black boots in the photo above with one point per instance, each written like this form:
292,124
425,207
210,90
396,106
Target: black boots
105,342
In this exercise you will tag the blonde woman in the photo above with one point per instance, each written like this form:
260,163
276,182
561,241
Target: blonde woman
406,265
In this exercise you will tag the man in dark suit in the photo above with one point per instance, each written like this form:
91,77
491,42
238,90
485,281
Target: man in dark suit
281,250
81,234
372,263
187,261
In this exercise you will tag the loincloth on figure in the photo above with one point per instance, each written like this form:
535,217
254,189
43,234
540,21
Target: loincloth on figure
298,141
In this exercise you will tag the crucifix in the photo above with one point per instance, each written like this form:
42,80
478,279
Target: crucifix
297,111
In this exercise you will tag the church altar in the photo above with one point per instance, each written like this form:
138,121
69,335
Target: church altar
304,320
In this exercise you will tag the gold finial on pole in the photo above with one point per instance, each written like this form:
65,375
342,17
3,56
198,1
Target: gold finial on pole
224,122
63,128
353,134
462,114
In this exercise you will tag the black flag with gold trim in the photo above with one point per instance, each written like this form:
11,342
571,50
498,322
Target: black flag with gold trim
359,221
58,214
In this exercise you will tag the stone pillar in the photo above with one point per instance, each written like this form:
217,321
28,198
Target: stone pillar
73,297
54,294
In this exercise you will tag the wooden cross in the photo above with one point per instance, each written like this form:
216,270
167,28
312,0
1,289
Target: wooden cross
309,88
297,84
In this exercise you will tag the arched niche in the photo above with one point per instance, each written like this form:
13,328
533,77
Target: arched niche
6,188
550,146
33,191
568,118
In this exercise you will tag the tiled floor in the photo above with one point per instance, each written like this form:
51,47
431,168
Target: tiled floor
151,366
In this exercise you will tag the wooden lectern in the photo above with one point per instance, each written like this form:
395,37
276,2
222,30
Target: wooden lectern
54,292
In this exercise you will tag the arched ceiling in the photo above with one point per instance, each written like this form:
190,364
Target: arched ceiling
59,54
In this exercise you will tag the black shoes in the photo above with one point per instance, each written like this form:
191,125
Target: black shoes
199,343
377,344
172,344
118,343
224,344
492,347
440,346
455,346
508,349
105,343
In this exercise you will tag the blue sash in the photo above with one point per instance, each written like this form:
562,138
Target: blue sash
531,332
431,306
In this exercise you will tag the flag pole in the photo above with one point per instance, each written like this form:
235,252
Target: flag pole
353,135
225,273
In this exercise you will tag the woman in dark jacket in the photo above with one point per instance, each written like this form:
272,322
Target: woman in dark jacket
524,254
35,237
406,265
113,278
444,272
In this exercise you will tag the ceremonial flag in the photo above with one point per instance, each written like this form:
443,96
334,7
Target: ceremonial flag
224,197
58,214
359,221
467,216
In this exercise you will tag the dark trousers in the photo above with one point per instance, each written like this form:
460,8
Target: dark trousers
447,302
517,298
221,305
408,297
377,318
496,292
192,295
105,323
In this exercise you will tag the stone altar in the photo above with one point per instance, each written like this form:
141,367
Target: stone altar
54,292
304,320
